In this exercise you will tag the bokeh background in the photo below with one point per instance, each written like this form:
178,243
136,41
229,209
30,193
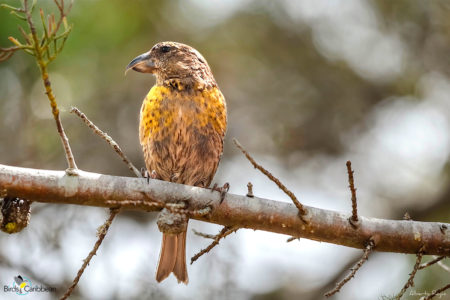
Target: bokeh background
309,85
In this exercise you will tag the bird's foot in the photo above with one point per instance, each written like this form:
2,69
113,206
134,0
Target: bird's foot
148,175
222,190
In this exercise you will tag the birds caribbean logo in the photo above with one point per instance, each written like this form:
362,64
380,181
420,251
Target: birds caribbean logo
183,121
22,282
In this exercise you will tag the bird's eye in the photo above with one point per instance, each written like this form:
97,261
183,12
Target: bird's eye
165,49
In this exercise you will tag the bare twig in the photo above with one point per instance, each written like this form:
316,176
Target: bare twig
101,233
410,281
204,235
407,217
107,138
369,247
444,266
227,230
250,190
437,292
5,55
351,185
431,262
302,210
25,35
292,238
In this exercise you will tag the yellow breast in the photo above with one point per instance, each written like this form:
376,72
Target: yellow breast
165,109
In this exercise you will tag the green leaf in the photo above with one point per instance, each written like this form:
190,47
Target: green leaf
12,8
32,6
18,16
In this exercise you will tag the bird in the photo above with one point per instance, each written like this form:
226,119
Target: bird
183,121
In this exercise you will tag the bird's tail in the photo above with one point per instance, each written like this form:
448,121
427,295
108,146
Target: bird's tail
173,258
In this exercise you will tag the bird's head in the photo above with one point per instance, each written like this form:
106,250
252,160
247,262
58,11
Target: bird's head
174,61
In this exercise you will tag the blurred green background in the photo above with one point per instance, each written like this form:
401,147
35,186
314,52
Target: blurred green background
308,84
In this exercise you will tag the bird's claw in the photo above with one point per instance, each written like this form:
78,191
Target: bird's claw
222,190
148,175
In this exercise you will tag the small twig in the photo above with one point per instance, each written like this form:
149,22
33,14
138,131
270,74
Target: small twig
204,235
351,185
250,190
437,292
5,55
38,52
444,266
107,138
102,231
25,35
407,217
302,210
410,281
226,230
292,238
62,15
113,212
369,247
431,262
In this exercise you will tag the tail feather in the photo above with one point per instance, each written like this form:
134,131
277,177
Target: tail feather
180,269
167,256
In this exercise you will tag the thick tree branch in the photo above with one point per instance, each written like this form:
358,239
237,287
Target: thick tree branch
256,213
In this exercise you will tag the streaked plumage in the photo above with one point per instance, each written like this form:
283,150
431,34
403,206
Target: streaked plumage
182,126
